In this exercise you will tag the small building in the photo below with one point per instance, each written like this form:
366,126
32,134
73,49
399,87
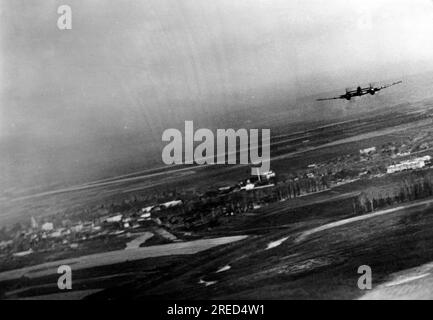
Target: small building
403,154
146,216
113,219
248,186
77,228
56,234
47,226
147,209
367,151
225,189
417,163
23,253
268,175
171,204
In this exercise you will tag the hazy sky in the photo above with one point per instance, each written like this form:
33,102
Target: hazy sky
130,66
134,63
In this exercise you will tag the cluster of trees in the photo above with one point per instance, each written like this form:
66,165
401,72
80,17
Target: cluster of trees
295,188
414,187
208,208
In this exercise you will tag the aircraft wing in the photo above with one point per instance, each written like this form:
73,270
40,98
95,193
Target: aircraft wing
326,99
390,85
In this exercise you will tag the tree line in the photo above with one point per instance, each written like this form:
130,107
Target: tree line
411,188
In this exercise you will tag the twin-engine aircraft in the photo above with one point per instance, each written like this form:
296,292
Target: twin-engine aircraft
360,92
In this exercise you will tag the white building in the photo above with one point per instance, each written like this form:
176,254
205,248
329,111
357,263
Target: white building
116,218
268,175
367,151
147,209
146,216
173,203
265,175
413,164
47,226
248,186
23,253
77,228
56,234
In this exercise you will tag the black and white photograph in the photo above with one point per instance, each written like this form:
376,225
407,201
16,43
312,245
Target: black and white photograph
234,151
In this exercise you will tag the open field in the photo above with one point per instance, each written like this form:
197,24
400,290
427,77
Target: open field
307,263
309,247
118,256
322,265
